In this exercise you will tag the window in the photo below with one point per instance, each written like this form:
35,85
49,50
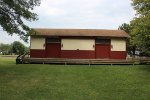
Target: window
102,41
53,40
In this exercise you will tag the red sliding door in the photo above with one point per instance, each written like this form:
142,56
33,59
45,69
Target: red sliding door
102,48
102,51
53,48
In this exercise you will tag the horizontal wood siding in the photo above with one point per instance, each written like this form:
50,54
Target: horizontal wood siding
118,44
82,48
37,43
78,54
77,44
37,53
118,55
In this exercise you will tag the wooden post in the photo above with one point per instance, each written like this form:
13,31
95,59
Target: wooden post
89,63
65,63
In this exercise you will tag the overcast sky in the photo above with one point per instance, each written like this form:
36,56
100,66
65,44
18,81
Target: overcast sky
83,14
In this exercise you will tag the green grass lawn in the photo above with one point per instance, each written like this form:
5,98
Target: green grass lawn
73,82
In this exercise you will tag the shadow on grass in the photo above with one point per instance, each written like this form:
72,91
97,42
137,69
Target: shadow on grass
144,67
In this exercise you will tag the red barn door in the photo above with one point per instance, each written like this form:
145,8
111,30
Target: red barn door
102,51
102,48
53,48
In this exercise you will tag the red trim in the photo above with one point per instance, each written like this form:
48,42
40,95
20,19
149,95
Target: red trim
37,53
118,55
77,37
78,54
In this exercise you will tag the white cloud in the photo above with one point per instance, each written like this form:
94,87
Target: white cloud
92,14
84,13
48,8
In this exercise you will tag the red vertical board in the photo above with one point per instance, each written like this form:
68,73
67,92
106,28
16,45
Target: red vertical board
102,51
53,50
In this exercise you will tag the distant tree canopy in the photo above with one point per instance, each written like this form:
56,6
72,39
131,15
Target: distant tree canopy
18,47
5,48
139,30
14,48
12,14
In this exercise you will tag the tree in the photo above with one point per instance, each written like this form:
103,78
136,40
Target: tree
27,49
131,46
141,25
5,48
12,14
125,27
18,47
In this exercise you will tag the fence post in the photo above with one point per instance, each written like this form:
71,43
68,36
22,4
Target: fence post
89,63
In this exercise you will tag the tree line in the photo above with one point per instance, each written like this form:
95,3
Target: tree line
139,29
14,48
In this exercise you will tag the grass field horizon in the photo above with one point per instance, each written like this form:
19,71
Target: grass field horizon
73,82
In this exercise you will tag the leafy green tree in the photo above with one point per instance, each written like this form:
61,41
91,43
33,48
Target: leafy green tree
126,27
141,25
18,47
131,46
12,14
27,49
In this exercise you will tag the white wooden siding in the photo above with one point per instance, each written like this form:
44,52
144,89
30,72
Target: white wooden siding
118,44
37,43
77,44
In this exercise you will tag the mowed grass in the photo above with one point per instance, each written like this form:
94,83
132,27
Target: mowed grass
73,82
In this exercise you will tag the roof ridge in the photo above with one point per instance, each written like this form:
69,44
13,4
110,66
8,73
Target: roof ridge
79,32
74,29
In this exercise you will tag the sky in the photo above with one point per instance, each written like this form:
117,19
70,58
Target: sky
78,14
